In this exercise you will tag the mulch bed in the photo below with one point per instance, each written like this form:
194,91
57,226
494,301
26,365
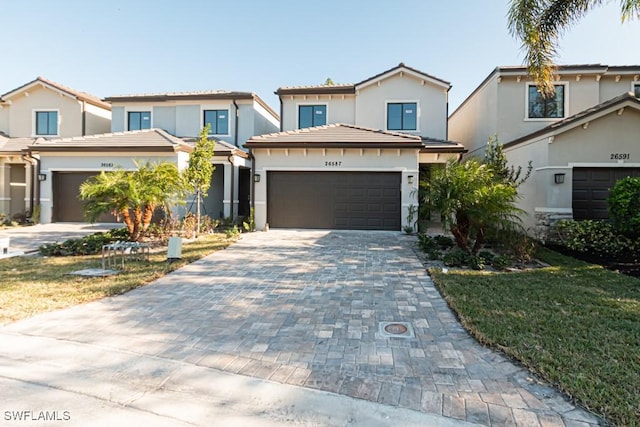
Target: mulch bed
629,268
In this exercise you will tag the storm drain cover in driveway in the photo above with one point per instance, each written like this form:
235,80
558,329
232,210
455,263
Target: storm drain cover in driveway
396,330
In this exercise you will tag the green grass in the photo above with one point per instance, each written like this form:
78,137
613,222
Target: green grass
577,325
34,284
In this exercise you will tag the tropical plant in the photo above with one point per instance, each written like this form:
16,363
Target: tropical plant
133,195
540,23
471,200
198,174
495,158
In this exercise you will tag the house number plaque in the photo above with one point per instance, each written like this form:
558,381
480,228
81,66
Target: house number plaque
333,163
620,156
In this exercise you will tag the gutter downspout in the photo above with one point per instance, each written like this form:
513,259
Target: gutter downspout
235,134
34,190
253,182
230,159
281,110
84,118
446,131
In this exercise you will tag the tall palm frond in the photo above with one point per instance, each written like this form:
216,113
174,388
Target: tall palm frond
541,23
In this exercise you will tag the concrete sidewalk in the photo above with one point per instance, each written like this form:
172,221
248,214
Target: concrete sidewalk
28,239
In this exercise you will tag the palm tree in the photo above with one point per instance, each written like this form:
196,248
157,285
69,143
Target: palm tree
540,23
132,195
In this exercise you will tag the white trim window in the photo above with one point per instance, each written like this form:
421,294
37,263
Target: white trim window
218,120
312,115
45,122
541,108
138,120
402,116
636,89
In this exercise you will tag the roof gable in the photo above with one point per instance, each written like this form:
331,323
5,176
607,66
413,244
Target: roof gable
402,69
57,87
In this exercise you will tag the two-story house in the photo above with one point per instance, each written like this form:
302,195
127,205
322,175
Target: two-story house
160,127
40,110
580,141
348,155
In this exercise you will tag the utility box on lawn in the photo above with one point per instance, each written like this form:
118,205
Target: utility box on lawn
174,251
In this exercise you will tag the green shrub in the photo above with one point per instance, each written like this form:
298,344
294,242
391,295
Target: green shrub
599,238
456,258
477,262
501,262
444,241
624,206
91,244
426,242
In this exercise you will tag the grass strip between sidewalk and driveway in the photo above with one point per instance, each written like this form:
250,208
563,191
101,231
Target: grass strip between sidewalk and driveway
576,325
34,284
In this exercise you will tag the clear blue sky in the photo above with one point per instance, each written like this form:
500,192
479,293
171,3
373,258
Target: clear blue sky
135,46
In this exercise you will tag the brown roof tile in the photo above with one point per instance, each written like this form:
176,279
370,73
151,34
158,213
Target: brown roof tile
154,140
335,135
14,145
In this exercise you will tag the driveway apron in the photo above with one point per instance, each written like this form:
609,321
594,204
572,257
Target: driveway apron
308,308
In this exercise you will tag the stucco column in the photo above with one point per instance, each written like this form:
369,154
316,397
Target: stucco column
226,201
5,199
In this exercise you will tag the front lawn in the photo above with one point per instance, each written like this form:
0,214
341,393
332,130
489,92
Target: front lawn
576,325
35,284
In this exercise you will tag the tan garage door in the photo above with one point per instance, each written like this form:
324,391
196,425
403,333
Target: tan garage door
67,206
591,188
334,200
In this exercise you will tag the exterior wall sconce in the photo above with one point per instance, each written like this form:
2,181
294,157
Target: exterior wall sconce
410,179
558,178
256,177
42,177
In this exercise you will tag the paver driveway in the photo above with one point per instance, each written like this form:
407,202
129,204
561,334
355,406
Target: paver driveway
304,308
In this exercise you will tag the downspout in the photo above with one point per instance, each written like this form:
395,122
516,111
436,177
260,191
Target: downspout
446,131
281,110
253,182
34,196
235,134
84,118
230,159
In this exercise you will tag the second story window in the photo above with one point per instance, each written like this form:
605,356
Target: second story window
312,115
402,116
46,123
545,108
139,120
218,120
636,90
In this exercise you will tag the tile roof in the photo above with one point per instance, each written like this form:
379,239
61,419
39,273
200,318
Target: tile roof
154,140
336,135
82,96
400,66
14,145
442,145
596,110
222,148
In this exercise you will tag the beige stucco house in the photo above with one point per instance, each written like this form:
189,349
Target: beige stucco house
40,110
580,142
233,117
350,155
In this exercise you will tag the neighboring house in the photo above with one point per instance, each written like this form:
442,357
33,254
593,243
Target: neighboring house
349,156
40,110
233,117
580,142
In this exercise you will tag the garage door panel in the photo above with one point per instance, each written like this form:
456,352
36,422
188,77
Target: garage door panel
591,188
67,205
342,200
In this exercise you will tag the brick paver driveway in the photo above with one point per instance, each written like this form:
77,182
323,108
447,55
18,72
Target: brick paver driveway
305,308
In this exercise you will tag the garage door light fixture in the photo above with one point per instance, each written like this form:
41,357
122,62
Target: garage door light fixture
558,178
256,177
410,179
42,177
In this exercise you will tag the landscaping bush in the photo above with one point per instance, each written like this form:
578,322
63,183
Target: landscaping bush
624,206
598,238
87,245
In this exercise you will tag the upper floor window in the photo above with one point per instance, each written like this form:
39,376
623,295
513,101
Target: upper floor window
636,89
312,115
545,108
218,120
139,120
402,116
46,123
